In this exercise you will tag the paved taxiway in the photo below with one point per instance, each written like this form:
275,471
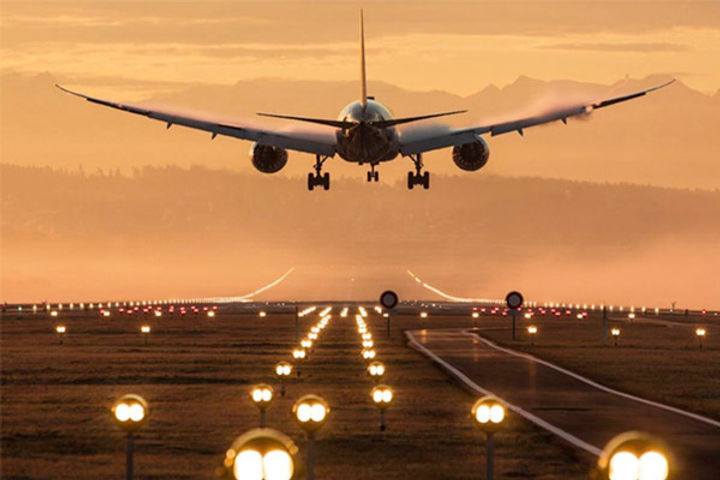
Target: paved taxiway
581,413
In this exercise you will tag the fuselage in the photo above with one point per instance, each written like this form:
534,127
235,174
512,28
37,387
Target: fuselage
365,143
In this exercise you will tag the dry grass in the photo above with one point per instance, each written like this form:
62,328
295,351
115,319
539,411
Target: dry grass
195,373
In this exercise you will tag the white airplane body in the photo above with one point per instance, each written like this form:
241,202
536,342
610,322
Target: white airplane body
365,133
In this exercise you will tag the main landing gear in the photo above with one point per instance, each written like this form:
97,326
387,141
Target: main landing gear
373,175
317,179
418,178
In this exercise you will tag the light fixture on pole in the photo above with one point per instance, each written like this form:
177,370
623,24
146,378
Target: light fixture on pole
635,456
261,454
60,330
129,413
382,396
376,370
615,332
145,332
489,416
368,354
283,370
310,412
262,396
298,354
700,333
532,331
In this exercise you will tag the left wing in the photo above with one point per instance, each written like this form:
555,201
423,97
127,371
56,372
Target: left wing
302,142
468,135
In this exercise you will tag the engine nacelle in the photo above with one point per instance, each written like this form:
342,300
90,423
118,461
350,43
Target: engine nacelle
471,156
268,159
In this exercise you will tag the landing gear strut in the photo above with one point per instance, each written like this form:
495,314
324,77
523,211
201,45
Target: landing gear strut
372,174
418,178
317,179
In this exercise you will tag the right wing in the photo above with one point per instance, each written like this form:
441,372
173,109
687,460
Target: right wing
467,135
302,142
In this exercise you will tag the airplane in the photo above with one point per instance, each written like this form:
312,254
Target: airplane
365,133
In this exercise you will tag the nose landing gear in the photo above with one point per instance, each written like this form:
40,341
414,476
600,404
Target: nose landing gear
317,179
418,178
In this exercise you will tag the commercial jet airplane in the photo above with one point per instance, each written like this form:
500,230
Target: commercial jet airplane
365,133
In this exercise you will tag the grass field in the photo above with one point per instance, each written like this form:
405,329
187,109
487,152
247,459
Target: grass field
196,373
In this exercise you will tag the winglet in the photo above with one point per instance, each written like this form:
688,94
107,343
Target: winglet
363,98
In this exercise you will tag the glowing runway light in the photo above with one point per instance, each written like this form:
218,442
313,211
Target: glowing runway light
261,454
489,416
376,370
130,412
382,396
634,456
700,333
262,396
310,412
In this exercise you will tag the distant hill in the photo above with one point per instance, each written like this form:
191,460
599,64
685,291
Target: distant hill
199,232
664,139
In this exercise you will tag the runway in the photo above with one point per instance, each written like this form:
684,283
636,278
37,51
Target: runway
582,414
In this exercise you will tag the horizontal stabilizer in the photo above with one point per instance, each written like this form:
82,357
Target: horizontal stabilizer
321,121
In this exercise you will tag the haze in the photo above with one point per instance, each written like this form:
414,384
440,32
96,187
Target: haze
79,234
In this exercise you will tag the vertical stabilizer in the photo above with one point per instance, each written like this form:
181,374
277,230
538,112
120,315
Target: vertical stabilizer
363,98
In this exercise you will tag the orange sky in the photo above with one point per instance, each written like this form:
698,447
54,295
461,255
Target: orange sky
456,47
197,52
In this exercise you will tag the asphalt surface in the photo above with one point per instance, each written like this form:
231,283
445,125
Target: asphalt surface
589,414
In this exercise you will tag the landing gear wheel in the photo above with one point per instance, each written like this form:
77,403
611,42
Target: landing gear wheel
311,181
377,176
411,180
369,176
326,181
426,180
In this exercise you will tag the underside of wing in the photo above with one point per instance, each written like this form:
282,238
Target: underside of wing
432,141
300,141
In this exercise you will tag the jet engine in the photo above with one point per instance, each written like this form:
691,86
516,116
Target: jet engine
268,159
471,156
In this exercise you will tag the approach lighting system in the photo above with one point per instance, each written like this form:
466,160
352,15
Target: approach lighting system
311,412
130,412
532,331
635,456
368,354
700,333
60,330
615,332
262,396
283,370
376,370
261,454
489,414
382,396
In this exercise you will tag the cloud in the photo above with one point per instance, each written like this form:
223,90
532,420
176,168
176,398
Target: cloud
636,47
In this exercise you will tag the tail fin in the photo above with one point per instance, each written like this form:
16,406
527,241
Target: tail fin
363,99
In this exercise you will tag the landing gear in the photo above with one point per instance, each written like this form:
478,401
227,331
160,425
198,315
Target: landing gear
373,174
418,178
317,179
